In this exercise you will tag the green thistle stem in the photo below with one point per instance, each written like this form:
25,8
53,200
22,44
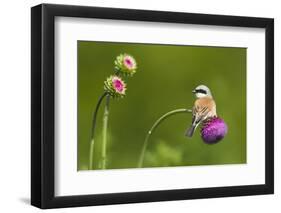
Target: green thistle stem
94,121
105,126
156,124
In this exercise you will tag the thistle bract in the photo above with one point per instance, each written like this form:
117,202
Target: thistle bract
125,64
213,130
115,86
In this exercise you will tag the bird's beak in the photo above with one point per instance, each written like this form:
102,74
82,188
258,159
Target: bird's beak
193,91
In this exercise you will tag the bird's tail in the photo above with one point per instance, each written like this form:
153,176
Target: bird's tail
190,131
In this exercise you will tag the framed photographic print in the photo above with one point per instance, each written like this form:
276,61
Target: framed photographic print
139,106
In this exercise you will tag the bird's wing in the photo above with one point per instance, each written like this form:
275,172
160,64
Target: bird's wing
198,114
201,108
193,114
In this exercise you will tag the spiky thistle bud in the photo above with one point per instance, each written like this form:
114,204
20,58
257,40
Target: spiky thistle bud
115,86
125,64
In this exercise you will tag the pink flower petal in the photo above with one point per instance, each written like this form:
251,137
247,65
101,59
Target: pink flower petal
118,85
129,62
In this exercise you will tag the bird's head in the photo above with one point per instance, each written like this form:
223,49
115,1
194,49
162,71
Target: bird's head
202,91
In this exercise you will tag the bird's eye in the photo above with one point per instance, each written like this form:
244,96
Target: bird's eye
201,91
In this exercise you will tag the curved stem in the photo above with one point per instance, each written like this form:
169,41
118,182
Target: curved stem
94,121
156,124
105,126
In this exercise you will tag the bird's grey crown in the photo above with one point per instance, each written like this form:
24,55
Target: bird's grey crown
203,90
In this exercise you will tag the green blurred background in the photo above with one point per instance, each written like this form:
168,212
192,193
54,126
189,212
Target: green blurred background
164,80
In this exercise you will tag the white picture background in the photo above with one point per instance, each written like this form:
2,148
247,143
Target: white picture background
68,181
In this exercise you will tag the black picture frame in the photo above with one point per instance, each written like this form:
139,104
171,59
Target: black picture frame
43,102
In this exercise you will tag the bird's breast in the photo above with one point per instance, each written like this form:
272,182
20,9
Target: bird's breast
202,103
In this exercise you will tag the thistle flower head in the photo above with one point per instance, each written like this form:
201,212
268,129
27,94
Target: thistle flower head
125,64
213,130
115,86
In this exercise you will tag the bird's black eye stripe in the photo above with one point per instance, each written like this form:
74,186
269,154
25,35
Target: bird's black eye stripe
201,91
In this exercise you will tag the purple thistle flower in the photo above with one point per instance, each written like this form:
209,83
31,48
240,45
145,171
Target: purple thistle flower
213,130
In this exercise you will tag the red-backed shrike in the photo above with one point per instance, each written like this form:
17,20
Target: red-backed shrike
204,108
